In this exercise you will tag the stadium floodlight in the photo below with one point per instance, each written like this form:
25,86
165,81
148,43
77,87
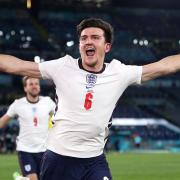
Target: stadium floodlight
135,41
21,31
29,38
146,42
37,59
141,43
70,43
26,45
13,32
1,33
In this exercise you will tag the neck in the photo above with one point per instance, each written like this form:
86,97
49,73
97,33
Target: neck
32,99
91,69
95,68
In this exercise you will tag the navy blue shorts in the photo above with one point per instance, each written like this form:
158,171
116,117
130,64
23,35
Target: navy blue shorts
58,167
30,162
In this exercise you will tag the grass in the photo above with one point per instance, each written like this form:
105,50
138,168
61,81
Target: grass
139,166
126,166
8,165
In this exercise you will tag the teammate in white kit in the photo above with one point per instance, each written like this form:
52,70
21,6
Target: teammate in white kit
33,112
88,90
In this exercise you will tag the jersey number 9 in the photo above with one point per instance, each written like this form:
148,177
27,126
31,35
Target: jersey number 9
35,121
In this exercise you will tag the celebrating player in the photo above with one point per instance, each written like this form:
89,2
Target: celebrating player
88,89
33,112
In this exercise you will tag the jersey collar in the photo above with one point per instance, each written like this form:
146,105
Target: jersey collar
31,101
81,67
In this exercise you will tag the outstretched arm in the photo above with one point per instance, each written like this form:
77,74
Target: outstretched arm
13,65
165,66
4,120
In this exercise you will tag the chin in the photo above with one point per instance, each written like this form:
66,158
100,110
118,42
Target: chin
34,94
91,61
91,64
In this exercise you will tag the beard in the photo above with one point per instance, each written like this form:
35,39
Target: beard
34,94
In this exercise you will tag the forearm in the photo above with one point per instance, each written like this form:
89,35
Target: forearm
9,64
2,124
13,65
165,66
4,120
170,64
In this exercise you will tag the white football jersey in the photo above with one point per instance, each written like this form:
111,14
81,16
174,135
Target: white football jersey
33,121
86,103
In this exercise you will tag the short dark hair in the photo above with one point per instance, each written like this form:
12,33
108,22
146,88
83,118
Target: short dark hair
99,23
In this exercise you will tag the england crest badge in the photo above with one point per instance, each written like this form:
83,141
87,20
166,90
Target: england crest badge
91,80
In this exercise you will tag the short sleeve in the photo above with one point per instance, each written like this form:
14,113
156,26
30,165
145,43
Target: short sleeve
131,74
11,112
49,69
134,74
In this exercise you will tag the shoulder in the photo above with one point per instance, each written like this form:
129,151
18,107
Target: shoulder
115,64
128,71
56,64
66,58
53,68
20,100
45,98
69,60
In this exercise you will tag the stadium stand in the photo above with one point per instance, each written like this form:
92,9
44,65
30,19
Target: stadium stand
141,36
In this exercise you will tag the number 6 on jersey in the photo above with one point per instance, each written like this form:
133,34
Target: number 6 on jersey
88,101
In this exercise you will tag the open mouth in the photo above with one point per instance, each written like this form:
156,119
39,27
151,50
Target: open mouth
90,52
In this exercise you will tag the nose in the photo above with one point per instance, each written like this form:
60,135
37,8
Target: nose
34,85
88,41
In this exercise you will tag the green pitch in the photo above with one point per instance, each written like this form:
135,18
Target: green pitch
131,166
8,165
140,166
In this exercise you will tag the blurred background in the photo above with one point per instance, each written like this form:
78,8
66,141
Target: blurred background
147,118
